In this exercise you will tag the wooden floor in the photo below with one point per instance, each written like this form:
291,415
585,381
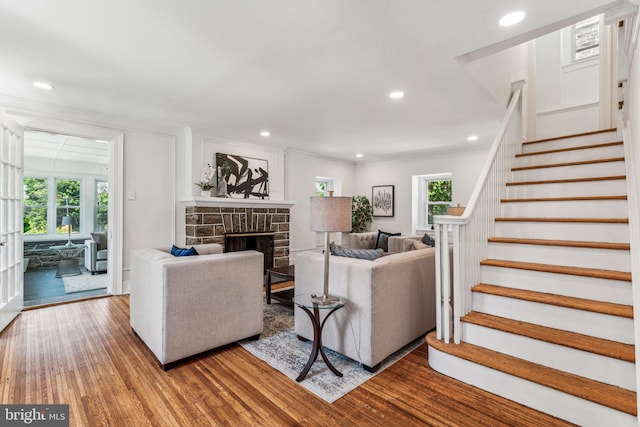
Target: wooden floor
84,354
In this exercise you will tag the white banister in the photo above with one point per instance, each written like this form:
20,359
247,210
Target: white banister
458,273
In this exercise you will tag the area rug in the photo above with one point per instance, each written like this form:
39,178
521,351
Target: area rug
280,347
84,282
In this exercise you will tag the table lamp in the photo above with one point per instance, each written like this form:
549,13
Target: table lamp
68,221
329,214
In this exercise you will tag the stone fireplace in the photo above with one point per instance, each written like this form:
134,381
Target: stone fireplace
208,219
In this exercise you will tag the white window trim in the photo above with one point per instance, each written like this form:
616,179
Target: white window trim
419,202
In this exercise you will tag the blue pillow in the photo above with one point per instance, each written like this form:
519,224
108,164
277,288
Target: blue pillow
176,251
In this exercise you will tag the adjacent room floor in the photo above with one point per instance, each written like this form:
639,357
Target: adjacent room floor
41,287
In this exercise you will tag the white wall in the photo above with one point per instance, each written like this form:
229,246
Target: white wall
301,173
149,171
465,166
566,96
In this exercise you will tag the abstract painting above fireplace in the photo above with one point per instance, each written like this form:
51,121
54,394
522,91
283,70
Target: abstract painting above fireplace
249,177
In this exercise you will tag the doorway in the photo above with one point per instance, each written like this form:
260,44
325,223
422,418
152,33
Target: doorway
66,220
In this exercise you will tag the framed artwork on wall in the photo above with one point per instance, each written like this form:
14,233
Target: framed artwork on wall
245,177
382,200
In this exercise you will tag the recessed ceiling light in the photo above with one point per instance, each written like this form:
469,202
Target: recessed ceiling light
265,133
43,85
472,138
359,155
396,94
511,18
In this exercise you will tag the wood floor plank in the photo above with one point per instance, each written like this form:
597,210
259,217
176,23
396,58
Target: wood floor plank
562,243
84,354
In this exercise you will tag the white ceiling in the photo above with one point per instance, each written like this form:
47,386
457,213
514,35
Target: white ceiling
316,73
63,147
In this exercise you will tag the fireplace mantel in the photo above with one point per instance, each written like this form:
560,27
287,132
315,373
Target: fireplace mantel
222,202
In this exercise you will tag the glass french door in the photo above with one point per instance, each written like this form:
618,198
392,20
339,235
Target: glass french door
11,222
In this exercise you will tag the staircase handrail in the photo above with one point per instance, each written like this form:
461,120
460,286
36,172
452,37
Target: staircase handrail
471,230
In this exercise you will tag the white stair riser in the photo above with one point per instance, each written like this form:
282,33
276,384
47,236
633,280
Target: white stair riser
571,156
567,172
613,328
606,259
596,232
614,291
562,405
581,141
589,365
566,209
568,189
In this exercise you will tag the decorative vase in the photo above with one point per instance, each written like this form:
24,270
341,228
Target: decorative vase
222,188
205,193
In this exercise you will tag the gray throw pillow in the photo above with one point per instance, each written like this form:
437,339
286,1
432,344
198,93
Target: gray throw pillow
101,240
427,240
369,254
383,240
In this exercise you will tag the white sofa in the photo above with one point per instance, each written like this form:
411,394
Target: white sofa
391,302
182,306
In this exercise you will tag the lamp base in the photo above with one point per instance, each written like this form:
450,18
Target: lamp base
324,299
69,243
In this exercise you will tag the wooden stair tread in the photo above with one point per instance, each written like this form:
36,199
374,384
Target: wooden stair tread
594,391
563,199
580,220
564,243
559,165
560,269
601,307
563,150
603,347
567,181
573,135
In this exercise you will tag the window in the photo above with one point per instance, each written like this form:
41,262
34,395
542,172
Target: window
68,203
327,186
101,219
46,201
36,196
432,196
585,39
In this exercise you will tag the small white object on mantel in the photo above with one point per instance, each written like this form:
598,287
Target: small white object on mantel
225,202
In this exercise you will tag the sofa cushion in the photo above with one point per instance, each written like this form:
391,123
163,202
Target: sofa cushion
369,254
417,244
428,240
383,240
101,239
176,251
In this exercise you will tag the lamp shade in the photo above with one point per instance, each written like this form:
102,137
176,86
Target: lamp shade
330,213
67,220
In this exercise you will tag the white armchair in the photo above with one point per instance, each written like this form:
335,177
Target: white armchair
96,253
183,306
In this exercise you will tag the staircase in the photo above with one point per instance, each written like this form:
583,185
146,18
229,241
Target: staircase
551,323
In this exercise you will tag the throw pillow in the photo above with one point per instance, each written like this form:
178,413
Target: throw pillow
383,240
417,244
369,254
427,240
176,251
100,239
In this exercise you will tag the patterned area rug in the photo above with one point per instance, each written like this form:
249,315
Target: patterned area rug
280,348
84,282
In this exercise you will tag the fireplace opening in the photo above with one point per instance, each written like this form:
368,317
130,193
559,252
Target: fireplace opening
258,241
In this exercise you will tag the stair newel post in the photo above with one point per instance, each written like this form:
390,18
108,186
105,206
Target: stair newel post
457,279
446,283
438,286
